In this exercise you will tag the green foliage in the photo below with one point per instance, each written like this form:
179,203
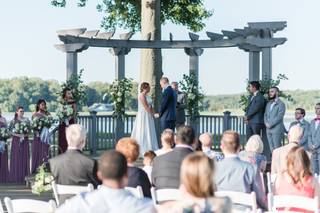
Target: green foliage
189,85
119,91
127,14
265,86
77,87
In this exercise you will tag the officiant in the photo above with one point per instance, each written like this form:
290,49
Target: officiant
181,105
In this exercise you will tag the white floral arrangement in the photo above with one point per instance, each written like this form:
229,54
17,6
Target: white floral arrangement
42,125
65,112
21,127
42,182
119,90
4,135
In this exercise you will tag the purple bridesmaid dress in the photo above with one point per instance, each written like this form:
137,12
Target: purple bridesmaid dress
4,172
19,160
40,150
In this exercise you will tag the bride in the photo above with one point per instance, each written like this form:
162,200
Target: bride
144,129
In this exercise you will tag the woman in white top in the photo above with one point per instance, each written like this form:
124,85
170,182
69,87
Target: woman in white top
144,131
167,142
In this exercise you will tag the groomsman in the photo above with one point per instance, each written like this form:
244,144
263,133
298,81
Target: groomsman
314,140
181,105
255,111
305,125
273,119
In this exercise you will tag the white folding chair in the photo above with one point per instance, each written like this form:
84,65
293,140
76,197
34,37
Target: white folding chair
59,189
241,198
262,182
291,201
162,195
1,208
137,192
29,205
271,178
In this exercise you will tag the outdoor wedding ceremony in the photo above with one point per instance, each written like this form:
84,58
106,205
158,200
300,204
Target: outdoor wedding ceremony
186,106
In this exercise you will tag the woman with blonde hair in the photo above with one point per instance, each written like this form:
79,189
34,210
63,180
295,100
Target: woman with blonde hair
297,179
197,188
253,153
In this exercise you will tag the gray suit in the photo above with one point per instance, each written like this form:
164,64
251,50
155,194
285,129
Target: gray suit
166,168
255,113
180,109
73,168
305,125
236,175
314,145
273,117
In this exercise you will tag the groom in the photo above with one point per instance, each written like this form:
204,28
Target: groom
167,111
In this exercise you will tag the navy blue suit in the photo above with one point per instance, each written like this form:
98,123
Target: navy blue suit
168,109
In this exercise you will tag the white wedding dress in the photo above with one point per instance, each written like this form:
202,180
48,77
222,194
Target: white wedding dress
144,130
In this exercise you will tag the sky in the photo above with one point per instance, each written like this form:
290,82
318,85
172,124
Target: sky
28,35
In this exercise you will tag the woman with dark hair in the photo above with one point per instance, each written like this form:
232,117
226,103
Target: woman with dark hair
40,149
3,155
19,158
67,97
144,131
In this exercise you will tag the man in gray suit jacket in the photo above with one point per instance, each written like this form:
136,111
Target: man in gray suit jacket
181,105
73,167
273,119
305,125
235,175
255,111
314,140
166,168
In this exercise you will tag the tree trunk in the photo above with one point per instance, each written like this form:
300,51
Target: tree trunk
151,59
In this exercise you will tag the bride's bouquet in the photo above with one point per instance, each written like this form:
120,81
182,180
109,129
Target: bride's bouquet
42,125
4,135
64,113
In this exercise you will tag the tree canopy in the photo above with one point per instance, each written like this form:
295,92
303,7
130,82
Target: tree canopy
127,14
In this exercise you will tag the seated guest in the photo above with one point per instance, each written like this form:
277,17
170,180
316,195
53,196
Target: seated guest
166,168
197,188
167,142
279,155
73,167
253,153
147,162
297,179
136,176
234,174
111,196
206,146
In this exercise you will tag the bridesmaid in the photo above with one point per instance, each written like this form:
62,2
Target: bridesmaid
40,150
4,172
19,159
67,100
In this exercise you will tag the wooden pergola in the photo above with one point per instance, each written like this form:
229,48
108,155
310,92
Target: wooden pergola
256,38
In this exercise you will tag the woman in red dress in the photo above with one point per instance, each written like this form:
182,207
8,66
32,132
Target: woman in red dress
67,100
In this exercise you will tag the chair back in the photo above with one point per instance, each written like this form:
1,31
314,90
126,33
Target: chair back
241,198
291,201
59,189
137,192
1,208
29,205
271,178
162,195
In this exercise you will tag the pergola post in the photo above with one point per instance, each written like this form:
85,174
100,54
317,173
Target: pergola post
267,63
254,66
72,51
194,54
119,54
